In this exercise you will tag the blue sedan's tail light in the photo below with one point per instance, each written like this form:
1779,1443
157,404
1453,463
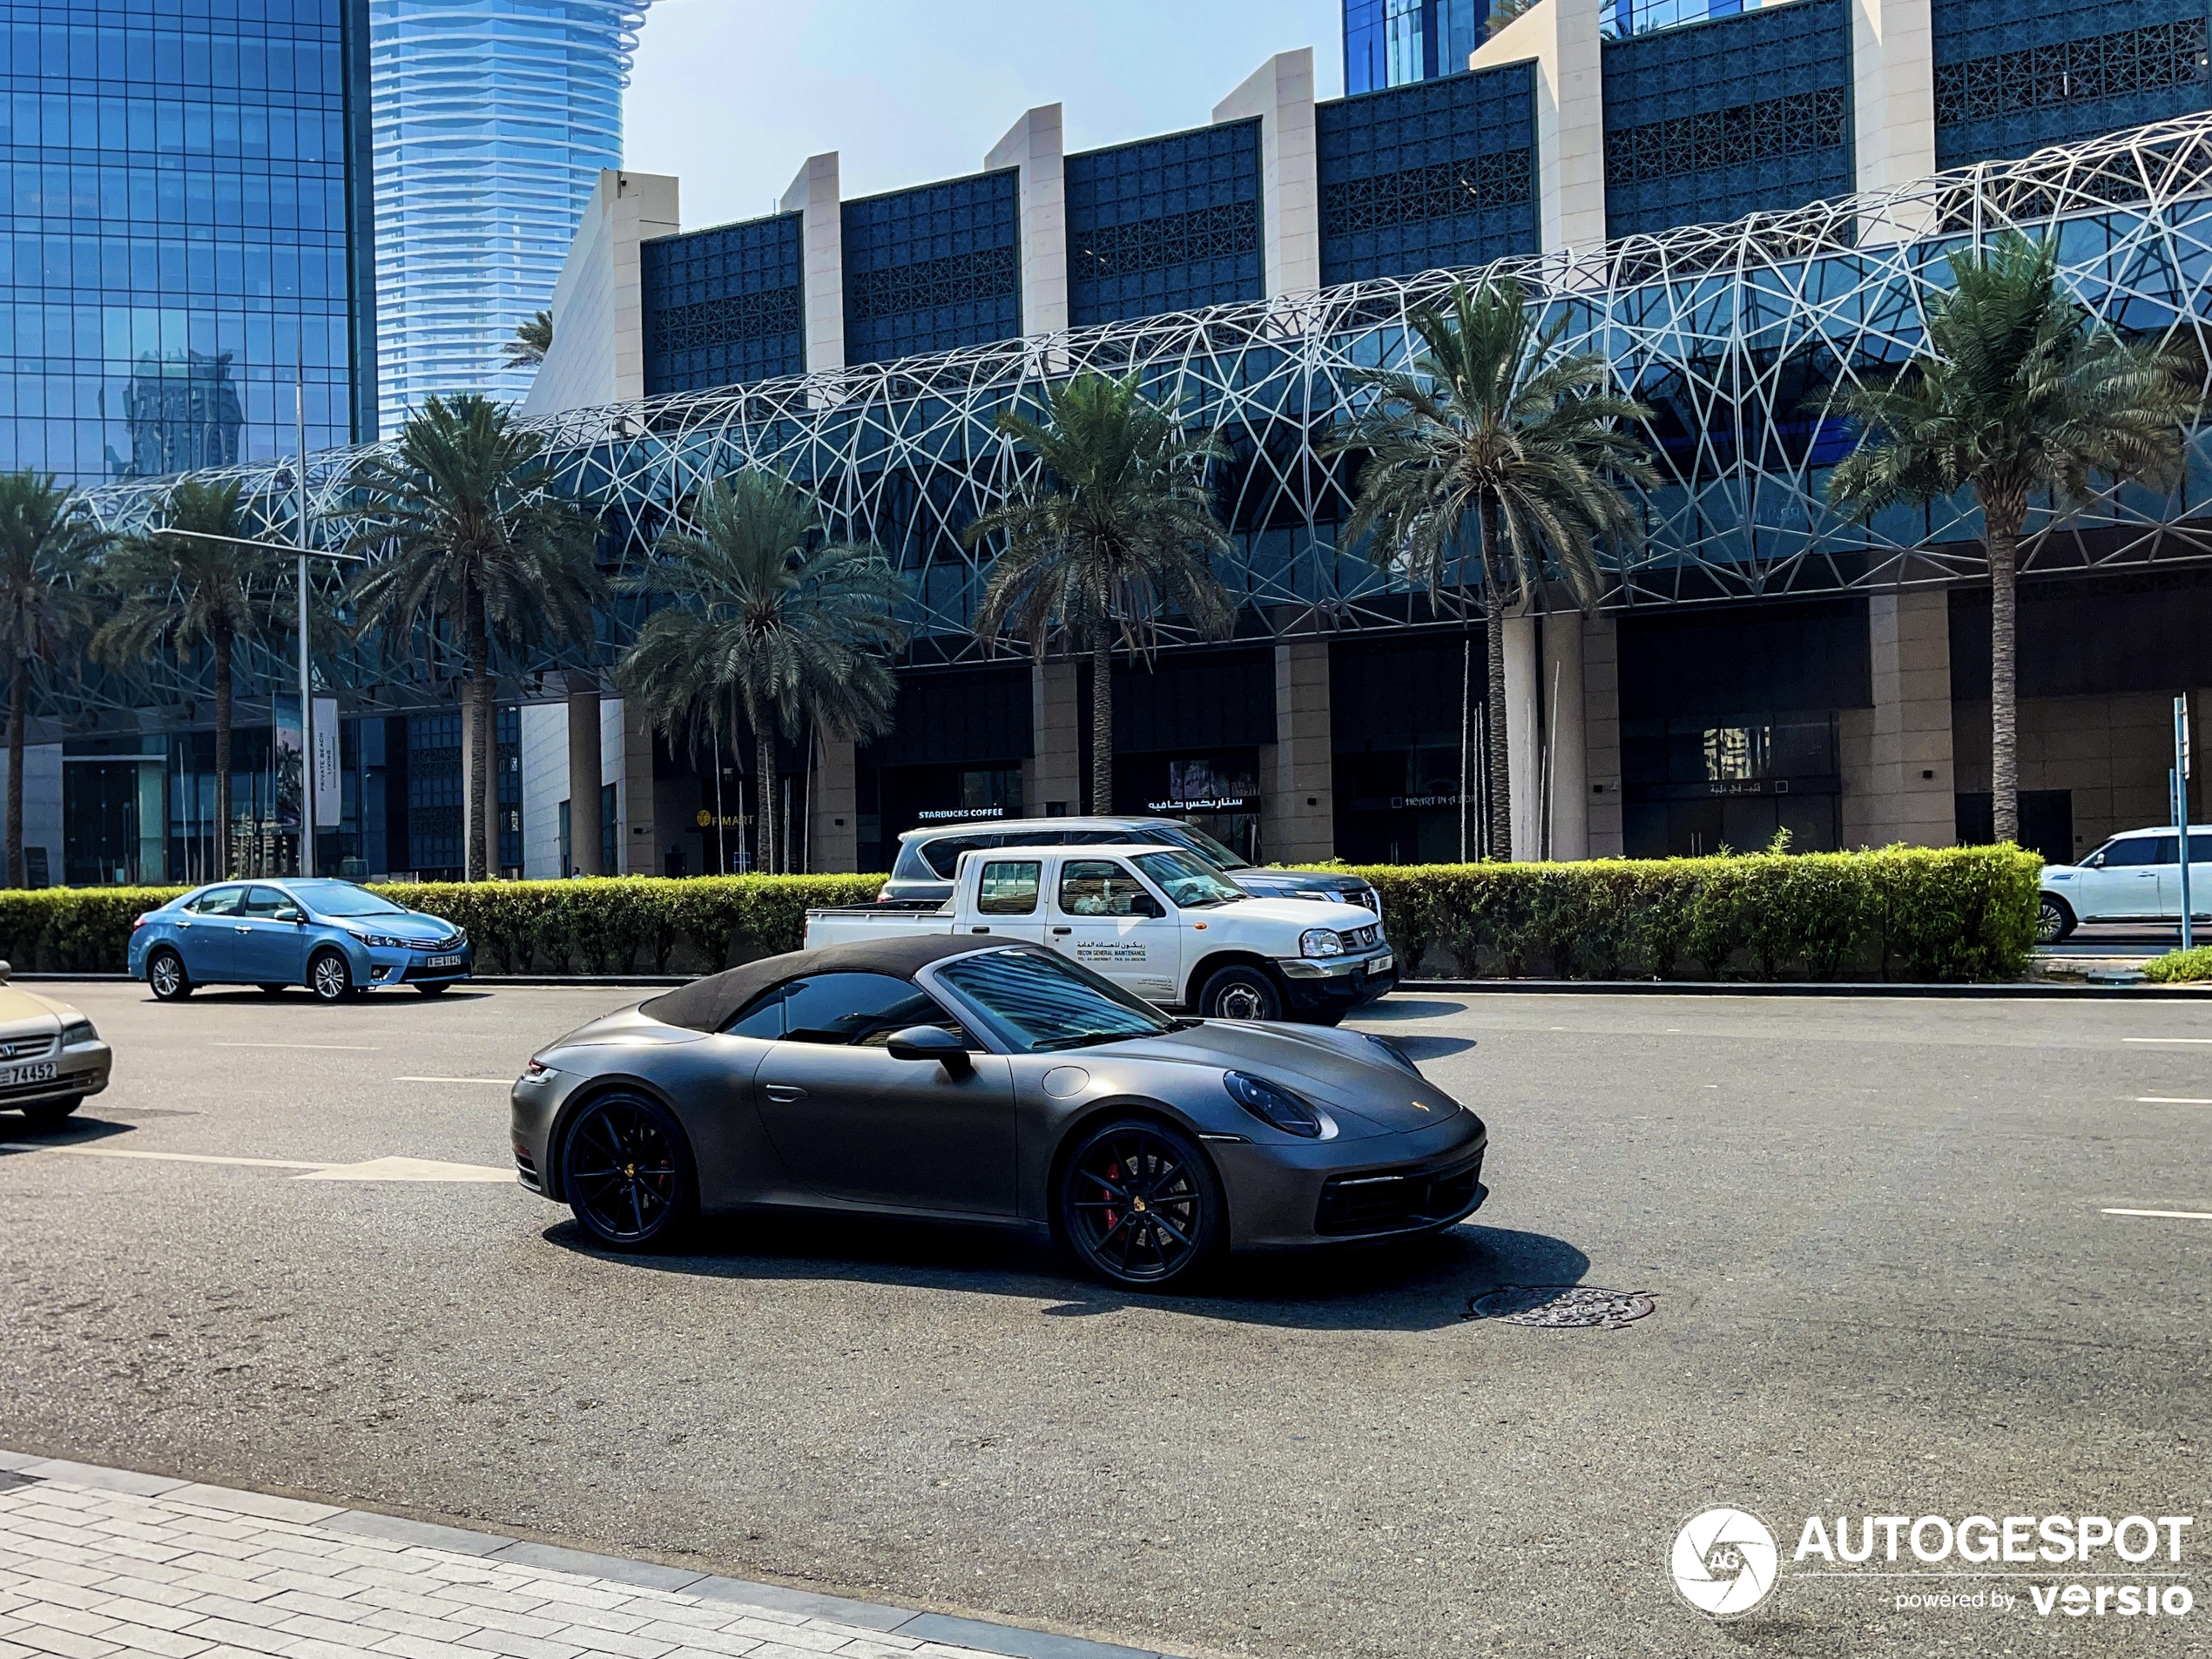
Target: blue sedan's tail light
1273,1104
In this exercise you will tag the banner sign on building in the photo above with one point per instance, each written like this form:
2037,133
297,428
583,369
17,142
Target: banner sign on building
330,800
290,761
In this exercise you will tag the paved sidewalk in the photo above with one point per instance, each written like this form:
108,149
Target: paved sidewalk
98,1563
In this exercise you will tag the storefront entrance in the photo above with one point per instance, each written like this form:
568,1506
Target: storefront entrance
1218,792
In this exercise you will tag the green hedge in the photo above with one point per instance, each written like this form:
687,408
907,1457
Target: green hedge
1903,913
2180,967
619,924
1912,913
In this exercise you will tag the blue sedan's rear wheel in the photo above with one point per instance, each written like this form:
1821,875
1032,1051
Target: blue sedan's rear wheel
165,974
626,1172
1142,1206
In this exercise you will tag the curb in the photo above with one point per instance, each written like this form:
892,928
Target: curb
1017,1641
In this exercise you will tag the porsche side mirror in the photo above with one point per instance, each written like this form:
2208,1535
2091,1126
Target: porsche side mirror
931,1043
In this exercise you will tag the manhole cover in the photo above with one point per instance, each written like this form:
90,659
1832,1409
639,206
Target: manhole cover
1561,1307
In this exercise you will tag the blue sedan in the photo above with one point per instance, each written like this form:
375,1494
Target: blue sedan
337,939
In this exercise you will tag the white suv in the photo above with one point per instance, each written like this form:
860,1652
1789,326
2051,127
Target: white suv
2135,876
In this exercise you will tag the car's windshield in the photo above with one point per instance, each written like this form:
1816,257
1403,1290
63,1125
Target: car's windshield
1188,881
1036,1000
1196,840
343,898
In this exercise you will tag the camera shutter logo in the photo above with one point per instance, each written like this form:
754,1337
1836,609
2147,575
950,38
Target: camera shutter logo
1724,1561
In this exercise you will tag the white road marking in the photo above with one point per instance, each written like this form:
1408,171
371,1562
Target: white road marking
502,1081
164,1157
2169,1100
399,1169
349,1047
2167,1215
384,1168
2166,1039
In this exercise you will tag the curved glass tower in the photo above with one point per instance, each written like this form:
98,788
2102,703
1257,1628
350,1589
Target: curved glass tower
493,119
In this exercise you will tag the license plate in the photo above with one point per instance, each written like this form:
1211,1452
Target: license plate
443,961
1382,964
39,1074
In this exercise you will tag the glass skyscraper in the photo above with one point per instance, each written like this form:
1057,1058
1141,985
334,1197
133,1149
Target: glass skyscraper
182,227
493,119
1390,42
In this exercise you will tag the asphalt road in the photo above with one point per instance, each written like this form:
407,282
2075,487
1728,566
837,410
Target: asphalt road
1872,1230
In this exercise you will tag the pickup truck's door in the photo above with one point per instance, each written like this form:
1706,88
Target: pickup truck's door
1009,903
851,1121
1109,920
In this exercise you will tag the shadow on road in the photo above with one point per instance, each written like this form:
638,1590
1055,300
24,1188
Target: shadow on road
1408,1008
18,1134
1413,1284
1434,1048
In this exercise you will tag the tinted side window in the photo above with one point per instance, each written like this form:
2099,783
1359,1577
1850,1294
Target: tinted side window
263,902
223,901
943,855
763,1017
2142,849
855,1008
1008,888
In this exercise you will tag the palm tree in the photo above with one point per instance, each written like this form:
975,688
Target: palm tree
532,339
771,627
45,543
1492,420
472,536
172,593
2016,391
1116,530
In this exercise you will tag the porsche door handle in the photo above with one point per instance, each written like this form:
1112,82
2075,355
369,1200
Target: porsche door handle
784,1092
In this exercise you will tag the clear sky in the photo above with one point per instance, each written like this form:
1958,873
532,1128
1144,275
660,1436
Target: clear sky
731,96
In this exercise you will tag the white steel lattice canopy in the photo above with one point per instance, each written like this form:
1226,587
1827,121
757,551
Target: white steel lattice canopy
1726,331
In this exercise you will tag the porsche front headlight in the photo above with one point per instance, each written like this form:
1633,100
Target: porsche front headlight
1273,1104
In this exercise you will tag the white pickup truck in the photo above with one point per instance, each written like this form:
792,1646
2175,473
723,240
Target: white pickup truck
1158,921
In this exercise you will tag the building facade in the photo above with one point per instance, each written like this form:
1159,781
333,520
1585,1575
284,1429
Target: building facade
1681,198
493,121
187,227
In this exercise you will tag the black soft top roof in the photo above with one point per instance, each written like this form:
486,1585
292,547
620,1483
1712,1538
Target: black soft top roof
709,1004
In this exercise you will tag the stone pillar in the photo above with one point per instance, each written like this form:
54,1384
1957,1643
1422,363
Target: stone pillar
1601,782
1298,818
1033,145
1566,793
546,785
1909,757
1280,92
1892,92
1561,37
834,847
1052,779
813,194
644,207
586,779
1523,735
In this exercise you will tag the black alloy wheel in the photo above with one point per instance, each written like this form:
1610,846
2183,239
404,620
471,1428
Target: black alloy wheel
1141,1206
1240,992
330,976
165,974
2054,920
45,1114
627,1173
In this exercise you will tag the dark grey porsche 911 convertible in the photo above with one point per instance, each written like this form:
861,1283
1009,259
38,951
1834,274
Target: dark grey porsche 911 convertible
955,1079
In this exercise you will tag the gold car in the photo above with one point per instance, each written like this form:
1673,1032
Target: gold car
51,1057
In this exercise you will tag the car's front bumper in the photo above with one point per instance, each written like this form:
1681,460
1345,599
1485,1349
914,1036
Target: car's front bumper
1342,1191
81,1068
388,965
1339,983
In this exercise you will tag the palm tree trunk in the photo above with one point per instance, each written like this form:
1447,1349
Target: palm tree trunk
221,642
476,699
1101,727
764,752
1498,838
2003,520
18,712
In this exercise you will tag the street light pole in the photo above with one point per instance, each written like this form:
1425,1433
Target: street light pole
307,706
